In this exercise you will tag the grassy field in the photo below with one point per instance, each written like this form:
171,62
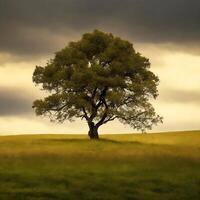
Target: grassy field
144,167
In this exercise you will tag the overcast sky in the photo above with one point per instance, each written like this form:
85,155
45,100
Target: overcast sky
167,32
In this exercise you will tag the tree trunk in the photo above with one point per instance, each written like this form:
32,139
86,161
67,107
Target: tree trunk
93,132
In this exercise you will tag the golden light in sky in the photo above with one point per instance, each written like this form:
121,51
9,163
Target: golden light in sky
30,38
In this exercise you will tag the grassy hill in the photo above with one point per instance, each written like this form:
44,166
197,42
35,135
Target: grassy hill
150,166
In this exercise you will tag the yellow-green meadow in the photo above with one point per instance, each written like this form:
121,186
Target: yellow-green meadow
130,166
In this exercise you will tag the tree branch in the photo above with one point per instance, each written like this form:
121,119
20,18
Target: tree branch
105,113
85,113
58,109
110,119
95,107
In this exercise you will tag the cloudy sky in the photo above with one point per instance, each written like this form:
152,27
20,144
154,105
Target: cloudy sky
167,32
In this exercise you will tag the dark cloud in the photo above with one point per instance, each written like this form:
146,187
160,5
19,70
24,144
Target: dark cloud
39,27
180,96
14,102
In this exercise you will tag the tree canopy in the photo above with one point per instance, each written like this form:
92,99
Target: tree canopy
99,78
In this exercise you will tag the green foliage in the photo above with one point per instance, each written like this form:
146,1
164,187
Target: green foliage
99,78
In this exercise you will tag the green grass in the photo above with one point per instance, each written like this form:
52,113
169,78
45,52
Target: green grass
144,167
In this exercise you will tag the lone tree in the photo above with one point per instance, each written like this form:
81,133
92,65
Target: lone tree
99,78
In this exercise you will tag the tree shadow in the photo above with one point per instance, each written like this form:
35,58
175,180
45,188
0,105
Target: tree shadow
87,140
